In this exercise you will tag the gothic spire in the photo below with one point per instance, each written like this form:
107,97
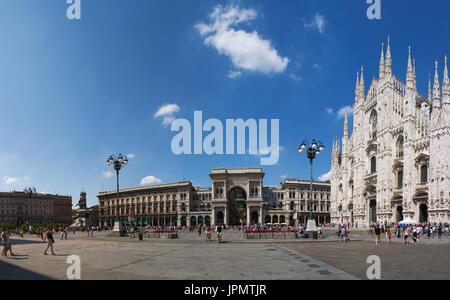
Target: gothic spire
346,126
430,97
357,86
362,89
382,62
446,85
388,64
409,72
436,89
414,73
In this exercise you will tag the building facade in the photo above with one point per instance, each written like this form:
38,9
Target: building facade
236,197
395,163
29,207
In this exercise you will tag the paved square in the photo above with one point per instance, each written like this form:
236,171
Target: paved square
192,258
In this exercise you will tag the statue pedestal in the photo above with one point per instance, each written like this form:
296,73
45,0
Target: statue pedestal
117,230
311,229
82,219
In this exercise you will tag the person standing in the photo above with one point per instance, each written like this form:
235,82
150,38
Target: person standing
50,239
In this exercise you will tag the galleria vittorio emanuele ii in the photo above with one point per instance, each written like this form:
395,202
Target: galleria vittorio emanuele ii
394,164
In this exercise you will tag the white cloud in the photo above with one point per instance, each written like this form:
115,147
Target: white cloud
267,150
295,77
107,174
150,180
234,74
343,111
10,180
247,51
167,111
131,156
329,110
325,177
318,23
15,181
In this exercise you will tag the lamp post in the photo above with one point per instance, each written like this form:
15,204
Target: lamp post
118,163
313,151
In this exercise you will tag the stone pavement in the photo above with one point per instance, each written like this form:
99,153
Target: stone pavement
190,257
171,260
428,261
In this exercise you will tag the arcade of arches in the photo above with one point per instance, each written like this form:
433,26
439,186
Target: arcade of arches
236,197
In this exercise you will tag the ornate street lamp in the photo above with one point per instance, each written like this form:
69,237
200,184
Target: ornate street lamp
313,151
118,162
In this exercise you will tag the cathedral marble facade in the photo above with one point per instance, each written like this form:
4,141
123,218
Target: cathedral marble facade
395,163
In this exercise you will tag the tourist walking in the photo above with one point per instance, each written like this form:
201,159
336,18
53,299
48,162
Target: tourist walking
377,235
415,236
343,235
219,233
406,236
6,242
208,233
50,239
4,237
388,234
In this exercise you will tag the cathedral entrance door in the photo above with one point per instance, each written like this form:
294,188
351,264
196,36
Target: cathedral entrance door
423,213
399,211
373,211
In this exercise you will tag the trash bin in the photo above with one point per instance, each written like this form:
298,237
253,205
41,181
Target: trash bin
141,236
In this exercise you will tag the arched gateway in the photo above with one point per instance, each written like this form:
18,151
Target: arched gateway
237,206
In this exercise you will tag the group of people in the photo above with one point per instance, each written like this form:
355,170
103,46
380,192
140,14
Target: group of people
209,229
47,237
406,231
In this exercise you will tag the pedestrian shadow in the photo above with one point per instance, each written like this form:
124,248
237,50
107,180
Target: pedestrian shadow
12,272
26,242
17,257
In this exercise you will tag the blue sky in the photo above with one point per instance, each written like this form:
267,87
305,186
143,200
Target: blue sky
72,92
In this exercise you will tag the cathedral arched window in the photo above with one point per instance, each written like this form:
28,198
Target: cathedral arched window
373,165
400,147
424,174
400,179
373,124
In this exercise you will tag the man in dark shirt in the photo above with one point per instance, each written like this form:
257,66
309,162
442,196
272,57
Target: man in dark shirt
377,235
219,233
